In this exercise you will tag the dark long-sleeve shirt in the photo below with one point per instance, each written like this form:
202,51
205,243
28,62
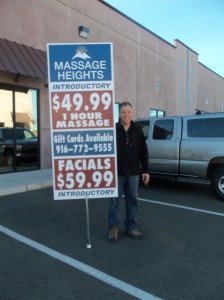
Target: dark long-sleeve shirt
132,152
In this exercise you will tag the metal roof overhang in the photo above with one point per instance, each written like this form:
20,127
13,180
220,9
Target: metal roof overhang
22,60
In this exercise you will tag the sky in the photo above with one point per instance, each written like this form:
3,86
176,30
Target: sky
199,24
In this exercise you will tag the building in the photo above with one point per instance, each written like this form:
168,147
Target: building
157,77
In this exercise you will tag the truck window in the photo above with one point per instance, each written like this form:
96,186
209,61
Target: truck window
206,128
163,129
144,125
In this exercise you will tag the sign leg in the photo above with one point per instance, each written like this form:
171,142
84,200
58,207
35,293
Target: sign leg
88,246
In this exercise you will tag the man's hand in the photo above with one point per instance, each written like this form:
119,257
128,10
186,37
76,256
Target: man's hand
145,178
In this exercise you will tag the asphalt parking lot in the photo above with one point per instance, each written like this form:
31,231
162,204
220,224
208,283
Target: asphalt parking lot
44,254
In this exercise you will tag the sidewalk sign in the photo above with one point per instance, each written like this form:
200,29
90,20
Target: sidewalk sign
83,139
81,93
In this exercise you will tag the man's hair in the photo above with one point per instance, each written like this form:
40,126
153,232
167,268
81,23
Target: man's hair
124,104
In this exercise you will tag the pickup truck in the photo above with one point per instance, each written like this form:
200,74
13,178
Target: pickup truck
187,146
20,141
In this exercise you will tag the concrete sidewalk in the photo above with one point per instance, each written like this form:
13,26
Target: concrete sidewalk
19,182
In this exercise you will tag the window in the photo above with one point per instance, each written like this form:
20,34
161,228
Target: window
18,124
19,144
116,112
163,130
144,125
158,85
181,65
206,128
156,113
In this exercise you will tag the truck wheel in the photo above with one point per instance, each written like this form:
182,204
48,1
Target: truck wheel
217,182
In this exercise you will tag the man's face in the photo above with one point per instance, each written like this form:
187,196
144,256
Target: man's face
126,115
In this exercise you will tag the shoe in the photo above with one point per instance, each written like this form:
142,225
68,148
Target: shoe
134,233
113,234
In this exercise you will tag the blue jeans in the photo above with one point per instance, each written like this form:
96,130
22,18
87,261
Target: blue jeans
127,186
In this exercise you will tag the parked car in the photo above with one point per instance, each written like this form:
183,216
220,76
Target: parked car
22,140
188,146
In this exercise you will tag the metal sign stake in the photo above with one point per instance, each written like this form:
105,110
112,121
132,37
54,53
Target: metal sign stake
88,246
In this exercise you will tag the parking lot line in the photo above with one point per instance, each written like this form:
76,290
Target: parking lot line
121,285
182,207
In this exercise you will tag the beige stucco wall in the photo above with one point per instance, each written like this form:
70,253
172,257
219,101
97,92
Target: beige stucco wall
210,90
142,60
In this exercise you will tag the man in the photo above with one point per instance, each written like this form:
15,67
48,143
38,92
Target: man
131,154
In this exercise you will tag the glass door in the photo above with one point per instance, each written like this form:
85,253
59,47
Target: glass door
6,121
19,143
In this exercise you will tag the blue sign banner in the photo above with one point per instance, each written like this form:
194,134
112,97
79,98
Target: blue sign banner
75,63
79,143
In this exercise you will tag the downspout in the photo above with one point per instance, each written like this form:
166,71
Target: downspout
187,81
